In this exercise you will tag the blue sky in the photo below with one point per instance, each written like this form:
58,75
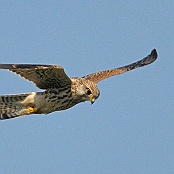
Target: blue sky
129,129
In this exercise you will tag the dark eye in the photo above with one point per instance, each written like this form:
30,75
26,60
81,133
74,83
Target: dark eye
88,92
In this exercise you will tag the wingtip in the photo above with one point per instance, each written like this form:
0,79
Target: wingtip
151,57
154,54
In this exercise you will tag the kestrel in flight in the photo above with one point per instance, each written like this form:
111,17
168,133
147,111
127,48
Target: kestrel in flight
61,92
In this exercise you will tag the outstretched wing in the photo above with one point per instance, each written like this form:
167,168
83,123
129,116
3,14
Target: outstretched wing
97,77
44,76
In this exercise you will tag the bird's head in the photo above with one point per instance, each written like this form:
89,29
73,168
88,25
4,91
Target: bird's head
86,90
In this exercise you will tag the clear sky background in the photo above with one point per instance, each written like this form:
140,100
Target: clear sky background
130,128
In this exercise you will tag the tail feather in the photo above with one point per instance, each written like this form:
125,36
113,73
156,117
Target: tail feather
10,106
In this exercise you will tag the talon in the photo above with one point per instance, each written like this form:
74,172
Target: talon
32,109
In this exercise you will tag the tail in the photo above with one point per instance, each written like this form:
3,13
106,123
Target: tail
11,107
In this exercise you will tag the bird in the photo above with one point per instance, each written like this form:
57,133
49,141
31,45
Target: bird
60,92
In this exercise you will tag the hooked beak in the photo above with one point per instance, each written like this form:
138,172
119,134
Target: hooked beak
92,99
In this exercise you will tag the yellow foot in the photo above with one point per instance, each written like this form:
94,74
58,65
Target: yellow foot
31,109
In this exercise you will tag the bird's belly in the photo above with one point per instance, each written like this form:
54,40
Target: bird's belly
48,105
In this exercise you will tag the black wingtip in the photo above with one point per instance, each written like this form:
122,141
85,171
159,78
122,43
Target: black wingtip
151,57
154,54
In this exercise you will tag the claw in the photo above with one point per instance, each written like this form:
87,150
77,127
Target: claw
31,109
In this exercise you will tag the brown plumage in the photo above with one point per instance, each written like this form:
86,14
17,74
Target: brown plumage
61,92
